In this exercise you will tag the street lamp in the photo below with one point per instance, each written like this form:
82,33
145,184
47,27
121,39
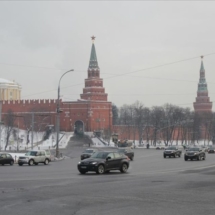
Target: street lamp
58,113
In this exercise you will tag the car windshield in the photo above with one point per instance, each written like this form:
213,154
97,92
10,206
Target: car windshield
31,153
88,151
100,155
193,149
171,148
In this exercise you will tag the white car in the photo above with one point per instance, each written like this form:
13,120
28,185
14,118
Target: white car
34,157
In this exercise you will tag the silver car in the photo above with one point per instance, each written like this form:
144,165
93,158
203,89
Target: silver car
34,157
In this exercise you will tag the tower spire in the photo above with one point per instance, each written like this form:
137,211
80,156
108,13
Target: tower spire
93,58
202,65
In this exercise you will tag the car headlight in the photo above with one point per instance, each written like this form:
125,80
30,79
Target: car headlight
79,162
94,163
195,153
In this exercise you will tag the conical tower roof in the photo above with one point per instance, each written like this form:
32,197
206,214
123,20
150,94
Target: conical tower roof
93,58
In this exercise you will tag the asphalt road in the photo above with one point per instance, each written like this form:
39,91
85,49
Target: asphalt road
152,186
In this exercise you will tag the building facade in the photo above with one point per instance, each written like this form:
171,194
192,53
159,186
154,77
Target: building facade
202,103
9,90
89,113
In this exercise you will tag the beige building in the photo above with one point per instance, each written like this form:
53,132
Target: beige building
9,90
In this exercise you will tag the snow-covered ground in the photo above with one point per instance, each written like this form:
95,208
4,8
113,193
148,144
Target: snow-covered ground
18,142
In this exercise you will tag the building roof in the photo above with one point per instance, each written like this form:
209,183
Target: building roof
93,58
4,81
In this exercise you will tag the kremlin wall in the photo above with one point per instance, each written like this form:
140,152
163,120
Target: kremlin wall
93,111
89,113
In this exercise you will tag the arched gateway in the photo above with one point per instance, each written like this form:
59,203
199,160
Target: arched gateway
79,127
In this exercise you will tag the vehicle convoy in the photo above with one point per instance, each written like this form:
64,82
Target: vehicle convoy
211,150
103,162
6,158
128,152
194,153
34,157
87,153
172,151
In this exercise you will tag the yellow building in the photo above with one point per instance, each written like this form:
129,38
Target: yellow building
9,90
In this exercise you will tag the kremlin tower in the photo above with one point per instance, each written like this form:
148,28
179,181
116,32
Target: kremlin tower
94,89
202,103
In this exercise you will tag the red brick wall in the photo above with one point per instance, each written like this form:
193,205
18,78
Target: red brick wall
95,115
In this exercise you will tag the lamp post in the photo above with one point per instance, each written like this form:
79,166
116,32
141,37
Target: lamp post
58,113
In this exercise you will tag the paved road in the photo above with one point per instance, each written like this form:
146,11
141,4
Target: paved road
152,186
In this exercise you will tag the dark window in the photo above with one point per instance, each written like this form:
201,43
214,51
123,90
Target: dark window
8,156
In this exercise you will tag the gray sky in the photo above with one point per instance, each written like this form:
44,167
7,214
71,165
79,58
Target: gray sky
49,38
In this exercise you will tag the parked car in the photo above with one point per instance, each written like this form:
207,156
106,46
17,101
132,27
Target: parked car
194,153
101,162
128,152
87,153
34,157
211,150
6,158
172,151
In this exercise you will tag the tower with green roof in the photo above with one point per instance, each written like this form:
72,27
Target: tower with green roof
202,103
94,90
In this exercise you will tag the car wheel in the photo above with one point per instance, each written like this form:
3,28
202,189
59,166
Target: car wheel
20,164
124,168
100,169
11,163
82,172
179,155
199,158
131,158
31,162
46,162
164,156
185,159
175,155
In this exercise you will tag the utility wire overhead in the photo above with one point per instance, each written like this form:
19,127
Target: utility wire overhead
124,74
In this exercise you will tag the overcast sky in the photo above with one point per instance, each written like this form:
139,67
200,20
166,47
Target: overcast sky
39,41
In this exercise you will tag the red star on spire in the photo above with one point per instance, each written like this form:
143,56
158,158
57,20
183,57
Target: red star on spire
93,38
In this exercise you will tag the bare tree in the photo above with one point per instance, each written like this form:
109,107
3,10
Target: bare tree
157,114
9,120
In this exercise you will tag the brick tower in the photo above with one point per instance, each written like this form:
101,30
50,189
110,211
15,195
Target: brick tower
94,89
202,103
